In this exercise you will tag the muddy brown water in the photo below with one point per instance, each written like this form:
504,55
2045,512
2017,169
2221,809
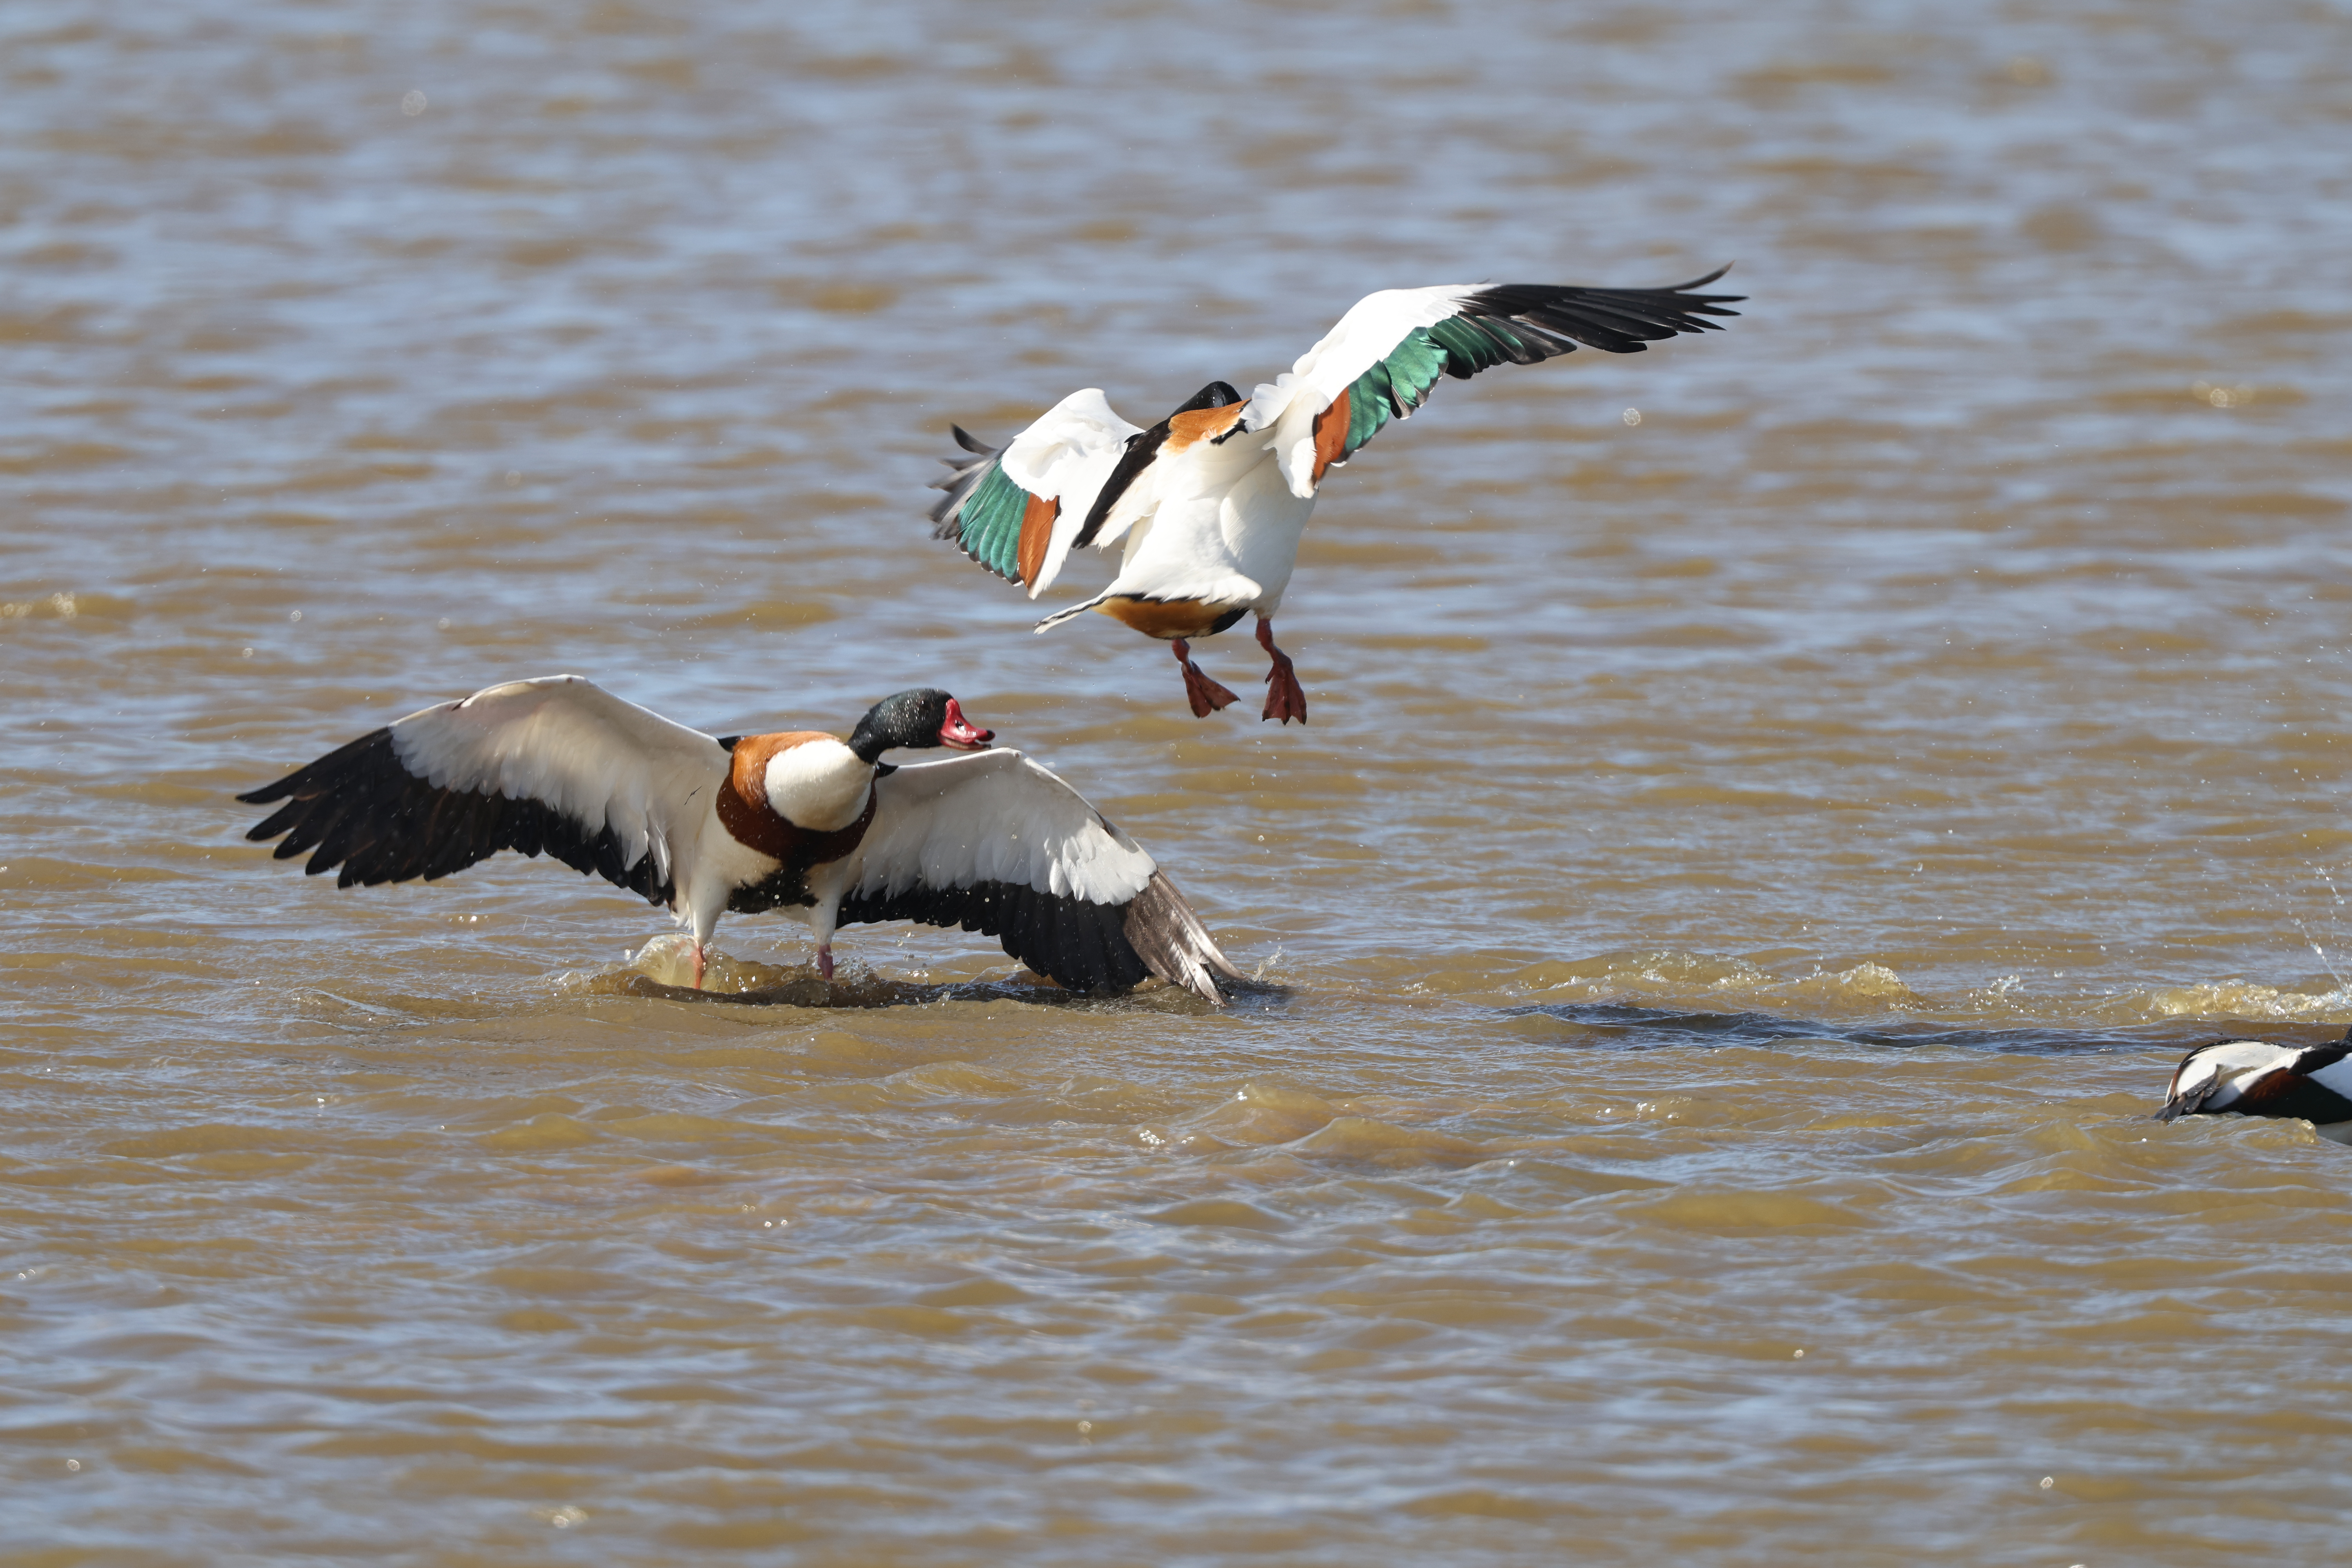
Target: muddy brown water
1745,880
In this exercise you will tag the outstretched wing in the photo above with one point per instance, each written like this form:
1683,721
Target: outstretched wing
1016,509
1389,349
995,843
555,766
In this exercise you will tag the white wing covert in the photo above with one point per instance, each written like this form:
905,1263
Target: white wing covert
1364,337
994,817
555,765
1386,353
995,843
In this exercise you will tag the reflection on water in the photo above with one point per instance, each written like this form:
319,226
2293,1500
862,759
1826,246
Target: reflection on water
1615,1024
1748,878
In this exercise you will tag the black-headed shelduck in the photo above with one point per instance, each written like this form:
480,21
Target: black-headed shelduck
2256,1078
1211,500
800,820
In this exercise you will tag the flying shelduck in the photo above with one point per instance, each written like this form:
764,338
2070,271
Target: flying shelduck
1213,498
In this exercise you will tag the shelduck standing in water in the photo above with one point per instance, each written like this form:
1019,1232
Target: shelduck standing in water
2255,1078
1211,500
800,820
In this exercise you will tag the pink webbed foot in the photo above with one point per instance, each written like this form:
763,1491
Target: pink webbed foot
824,960
1205,695
1284,698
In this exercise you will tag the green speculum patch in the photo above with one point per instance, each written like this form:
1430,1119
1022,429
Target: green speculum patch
1367,406
1474,348
991,524
1398,383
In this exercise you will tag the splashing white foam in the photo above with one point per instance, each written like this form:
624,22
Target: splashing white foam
2243,999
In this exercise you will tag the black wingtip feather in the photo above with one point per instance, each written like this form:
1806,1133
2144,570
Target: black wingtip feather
1702,282
362,811
1080,946
1615,320
962,477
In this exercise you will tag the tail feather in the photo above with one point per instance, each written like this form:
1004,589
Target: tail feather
1058,616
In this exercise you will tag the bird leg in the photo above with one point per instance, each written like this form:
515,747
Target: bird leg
824,960
1205,695
1284,699
698,966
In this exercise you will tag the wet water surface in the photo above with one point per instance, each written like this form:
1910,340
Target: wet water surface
1775,808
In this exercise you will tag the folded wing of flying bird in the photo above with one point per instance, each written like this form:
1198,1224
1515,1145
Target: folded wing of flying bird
1016,511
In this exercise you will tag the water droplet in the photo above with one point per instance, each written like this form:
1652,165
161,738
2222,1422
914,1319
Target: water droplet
73,1466
294,614
2049,1481
413,103
1631,416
